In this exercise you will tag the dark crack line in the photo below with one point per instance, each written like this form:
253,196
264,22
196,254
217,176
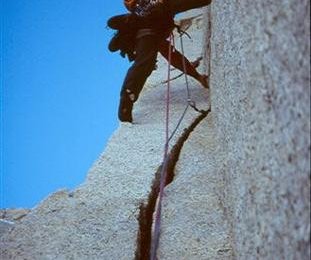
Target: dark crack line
145,217
146,210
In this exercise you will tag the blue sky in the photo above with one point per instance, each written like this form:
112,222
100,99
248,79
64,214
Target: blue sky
59,94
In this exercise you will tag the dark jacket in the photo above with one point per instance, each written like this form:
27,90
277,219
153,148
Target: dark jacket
155,15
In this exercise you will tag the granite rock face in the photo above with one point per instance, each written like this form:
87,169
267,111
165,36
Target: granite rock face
13,214
241,187
10,217
261,111
251,163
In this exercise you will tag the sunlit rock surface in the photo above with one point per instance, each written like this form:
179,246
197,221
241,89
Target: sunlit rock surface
242,182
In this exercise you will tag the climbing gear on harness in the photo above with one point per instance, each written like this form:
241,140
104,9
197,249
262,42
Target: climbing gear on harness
146,8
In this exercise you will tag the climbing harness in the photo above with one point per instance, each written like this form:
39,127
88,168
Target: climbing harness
163,174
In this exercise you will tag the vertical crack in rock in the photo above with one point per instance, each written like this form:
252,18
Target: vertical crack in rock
145,217
208,47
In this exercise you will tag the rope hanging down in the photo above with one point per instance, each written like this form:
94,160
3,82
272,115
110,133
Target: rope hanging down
156,232
163,175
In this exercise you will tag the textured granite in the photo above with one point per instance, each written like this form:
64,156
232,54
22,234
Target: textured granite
242,182
261,111
194,223
258,54
10,217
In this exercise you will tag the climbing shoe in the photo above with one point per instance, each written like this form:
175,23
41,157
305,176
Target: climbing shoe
125,109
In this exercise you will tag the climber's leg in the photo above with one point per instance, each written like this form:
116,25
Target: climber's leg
178,6
177,62
146,54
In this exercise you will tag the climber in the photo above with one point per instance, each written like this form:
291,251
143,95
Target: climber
145,31
124,40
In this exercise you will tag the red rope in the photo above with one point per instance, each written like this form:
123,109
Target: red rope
157,225
156,232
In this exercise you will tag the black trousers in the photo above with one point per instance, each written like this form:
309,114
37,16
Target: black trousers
146,48
146,54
